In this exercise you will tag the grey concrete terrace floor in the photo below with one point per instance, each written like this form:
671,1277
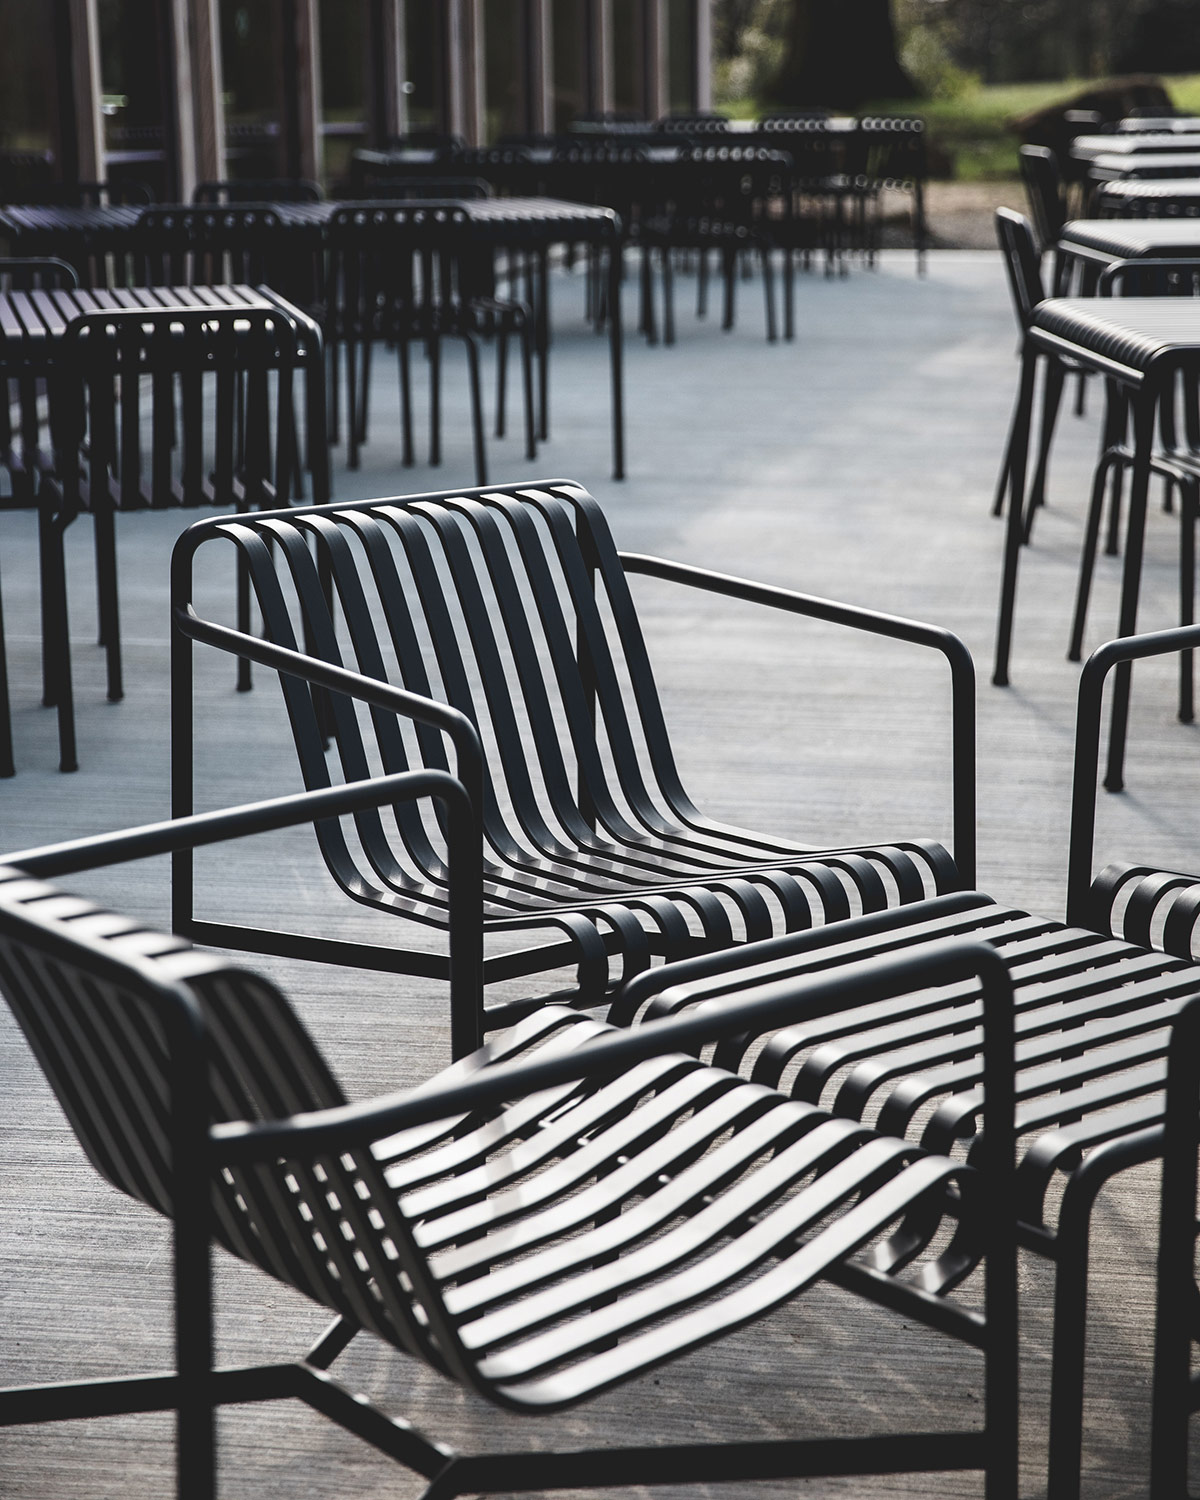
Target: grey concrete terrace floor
857,462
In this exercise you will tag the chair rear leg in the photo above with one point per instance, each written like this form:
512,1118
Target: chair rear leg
351,405
769,295
527,382
104,520
56,639
406,420
730,269
1087,562
501,383
435,400
668,281
476,409
1051,397
1187,598
7,767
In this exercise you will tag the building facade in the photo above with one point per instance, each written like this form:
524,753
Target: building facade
174,92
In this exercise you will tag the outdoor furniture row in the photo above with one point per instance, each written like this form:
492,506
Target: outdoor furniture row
289,246
840,170
560,1212
156,398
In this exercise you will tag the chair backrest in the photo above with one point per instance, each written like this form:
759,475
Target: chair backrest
232,444
258,190
889,150
510,604
694,124
100,997
1021,263
205,245
387,258
1044,190
32,273
106,1003
382,187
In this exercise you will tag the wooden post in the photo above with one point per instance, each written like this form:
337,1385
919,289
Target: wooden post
452,67
181,129
304,91
655,92
702,96
207,84
600,56
85,86
474,73
539,55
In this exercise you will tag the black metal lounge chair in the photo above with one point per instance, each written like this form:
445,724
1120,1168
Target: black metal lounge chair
1098,1001
557,1214
503,617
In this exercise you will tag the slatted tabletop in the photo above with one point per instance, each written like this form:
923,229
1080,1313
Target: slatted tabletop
1127,338
1088,147
1132,197
1121,238
1149,164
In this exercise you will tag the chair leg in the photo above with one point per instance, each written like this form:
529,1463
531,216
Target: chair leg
1187,598
1051,397
501,382
668,281
730,269
435,401
1144,411
702,285
1012,534
57,641
476,409
789,294
1087,561
7,768
104,520
647,318
351,405
364,394
769,295
406,421
527,382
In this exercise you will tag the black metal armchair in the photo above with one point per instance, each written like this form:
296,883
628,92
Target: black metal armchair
503,617
557,1214
1101,1003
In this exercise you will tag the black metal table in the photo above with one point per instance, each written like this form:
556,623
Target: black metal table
1088,245
102,241
1088,147
1116,166
1141,344
1148,198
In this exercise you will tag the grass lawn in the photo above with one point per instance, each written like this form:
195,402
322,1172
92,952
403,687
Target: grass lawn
973,129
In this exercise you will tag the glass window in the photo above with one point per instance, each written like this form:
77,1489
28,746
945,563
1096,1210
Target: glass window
344,55
421,60
570,61
131,92
629,45
681,55
252,55
28,127
504,75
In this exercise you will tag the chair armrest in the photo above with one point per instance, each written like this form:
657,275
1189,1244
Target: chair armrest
1082,910
455,725
772,1006
464,862
895,627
